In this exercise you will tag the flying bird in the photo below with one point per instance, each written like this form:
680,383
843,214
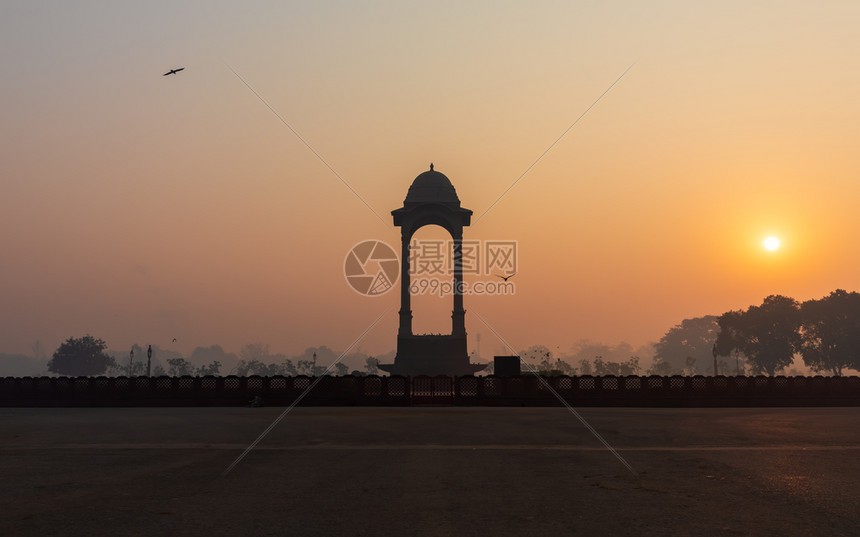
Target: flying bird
506,278
173,71
174,340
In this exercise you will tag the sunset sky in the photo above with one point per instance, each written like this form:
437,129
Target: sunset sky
139,208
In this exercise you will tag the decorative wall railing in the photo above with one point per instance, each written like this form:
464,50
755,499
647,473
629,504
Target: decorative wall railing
527,390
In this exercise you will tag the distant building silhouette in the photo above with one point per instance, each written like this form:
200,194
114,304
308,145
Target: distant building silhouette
431,200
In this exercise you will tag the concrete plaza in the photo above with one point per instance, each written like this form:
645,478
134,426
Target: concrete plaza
429,471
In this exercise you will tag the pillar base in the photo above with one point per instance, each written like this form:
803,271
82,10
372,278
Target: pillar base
432,355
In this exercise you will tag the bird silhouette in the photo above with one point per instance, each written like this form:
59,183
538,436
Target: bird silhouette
506,278
173,71
174,340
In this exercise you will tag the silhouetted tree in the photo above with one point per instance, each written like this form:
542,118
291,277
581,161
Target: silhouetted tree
371,365
255,352
662,368
687,344
767,335
204,355
288,368
341,368
630,367
306,367
250,367
84,356
830,332
138,368
539,357
585,367
213,368
563,367
542,360
177,367
256,367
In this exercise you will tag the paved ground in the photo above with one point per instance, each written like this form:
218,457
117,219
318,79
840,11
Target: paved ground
430,471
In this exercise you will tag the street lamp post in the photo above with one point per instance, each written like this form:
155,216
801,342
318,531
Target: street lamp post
148,360
130,360
314,367
714,350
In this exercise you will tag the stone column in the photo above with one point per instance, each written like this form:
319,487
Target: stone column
405,296
458,316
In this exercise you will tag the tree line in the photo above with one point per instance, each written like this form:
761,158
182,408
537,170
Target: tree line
761,339
89,356
764,339
824,332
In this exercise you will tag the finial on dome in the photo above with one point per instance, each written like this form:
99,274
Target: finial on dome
431,166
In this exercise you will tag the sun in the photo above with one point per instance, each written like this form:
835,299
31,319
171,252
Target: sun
771,243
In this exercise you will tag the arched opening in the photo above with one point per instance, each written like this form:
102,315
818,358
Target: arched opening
432,276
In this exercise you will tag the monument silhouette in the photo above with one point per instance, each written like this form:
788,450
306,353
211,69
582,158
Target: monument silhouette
431,200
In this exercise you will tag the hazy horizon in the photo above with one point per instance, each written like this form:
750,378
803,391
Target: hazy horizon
140,208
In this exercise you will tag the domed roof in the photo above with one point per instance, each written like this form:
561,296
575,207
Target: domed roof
432,187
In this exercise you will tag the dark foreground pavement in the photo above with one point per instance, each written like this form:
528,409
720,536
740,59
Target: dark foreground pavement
429,471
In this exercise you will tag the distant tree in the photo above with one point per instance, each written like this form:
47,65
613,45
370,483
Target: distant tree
212,369
830,332
288,369
585,367
589,350
252,352
177,367
728,338
662,368
630,367
256,367
249,367
604,368
690,364
767,335
563,367
306,367
341,369
138,368
371,365
688,344
538,357
84,356
205,355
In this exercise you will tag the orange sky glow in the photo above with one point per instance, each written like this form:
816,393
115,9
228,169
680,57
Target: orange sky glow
139,208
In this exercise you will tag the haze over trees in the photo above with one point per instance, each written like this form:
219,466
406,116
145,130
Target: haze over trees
766,339
688,347
83,356
19,365
830,332
767,335
825,332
